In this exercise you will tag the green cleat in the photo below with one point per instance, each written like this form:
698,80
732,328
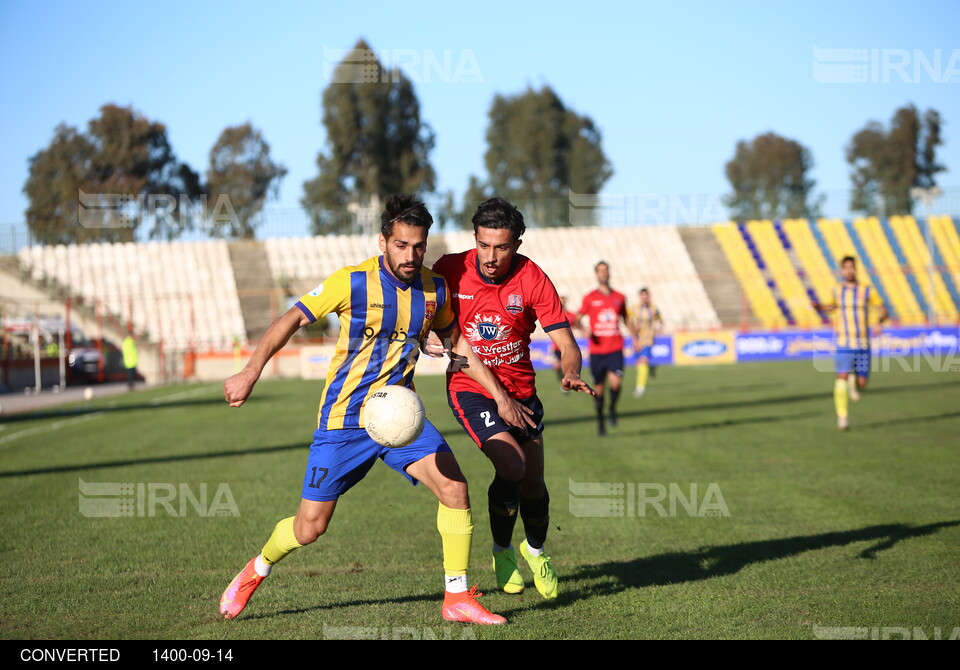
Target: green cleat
508,577
544,578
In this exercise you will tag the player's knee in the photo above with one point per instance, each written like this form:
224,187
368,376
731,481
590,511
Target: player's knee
453,494
512,470
308,530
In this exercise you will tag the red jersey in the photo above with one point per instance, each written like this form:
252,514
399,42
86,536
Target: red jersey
498,317
604,311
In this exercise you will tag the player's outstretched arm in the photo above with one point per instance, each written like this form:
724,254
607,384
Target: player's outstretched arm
883,316
238,387
570,361
824,307
463,356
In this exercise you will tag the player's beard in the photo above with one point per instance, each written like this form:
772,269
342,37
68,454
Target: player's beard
404,272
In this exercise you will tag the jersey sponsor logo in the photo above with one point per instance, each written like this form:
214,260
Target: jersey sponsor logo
317,291
515,303
381,305
430,310
487,327
704,348
392,336
463,296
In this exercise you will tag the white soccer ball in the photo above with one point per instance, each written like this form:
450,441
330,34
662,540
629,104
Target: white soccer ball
393,416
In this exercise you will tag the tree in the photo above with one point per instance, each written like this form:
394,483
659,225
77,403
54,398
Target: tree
538,151
102,186
57,174
769,177
377,144
886,164
241,169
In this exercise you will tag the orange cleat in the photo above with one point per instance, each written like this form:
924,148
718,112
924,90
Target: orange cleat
465,608
238,594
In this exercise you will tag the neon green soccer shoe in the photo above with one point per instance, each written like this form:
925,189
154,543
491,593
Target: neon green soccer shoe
544,578
508,577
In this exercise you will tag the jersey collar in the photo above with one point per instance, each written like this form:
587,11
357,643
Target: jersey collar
396,283
501,280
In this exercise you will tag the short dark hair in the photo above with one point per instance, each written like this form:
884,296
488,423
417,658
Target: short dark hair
405,209
498,213
848,258
597,266
644,290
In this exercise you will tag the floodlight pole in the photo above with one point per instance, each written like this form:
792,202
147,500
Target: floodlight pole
927,196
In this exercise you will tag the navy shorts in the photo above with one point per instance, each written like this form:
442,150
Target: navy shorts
341,458
478,415
601,364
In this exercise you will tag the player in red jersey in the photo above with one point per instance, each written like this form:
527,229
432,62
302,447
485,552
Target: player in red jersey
498,296
605,308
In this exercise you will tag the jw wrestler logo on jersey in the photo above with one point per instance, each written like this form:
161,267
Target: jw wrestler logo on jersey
515,303
430,310
488,328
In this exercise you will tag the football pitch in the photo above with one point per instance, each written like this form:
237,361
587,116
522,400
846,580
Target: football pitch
725,504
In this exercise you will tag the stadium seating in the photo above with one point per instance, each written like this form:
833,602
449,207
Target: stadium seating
186,292
750,274
918,260
182,292
898,294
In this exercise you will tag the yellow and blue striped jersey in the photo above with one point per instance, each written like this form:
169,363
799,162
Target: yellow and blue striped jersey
644,320
382,322
851,323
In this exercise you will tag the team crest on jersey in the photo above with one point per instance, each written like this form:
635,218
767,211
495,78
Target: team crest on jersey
487,328
515,303
430,310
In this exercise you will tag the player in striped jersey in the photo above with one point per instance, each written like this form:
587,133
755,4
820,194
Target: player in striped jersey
852,303
387,305
644,327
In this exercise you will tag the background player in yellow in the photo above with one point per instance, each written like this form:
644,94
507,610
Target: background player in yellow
387,305
644,326
852,304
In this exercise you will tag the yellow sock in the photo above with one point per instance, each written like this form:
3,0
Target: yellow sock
281,543
643,372
840,395
456,532
852,383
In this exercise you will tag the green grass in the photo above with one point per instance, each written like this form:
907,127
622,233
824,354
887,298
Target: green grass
857,529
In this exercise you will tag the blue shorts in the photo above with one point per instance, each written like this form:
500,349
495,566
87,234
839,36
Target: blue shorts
478,415
854,360
645,352
601,364
341,458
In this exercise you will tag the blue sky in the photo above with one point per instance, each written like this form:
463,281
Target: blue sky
672,85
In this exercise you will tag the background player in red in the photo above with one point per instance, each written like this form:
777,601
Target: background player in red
605,308
498,296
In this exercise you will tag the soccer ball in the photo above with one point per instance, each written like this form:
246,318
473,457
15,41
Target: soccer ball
393,416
